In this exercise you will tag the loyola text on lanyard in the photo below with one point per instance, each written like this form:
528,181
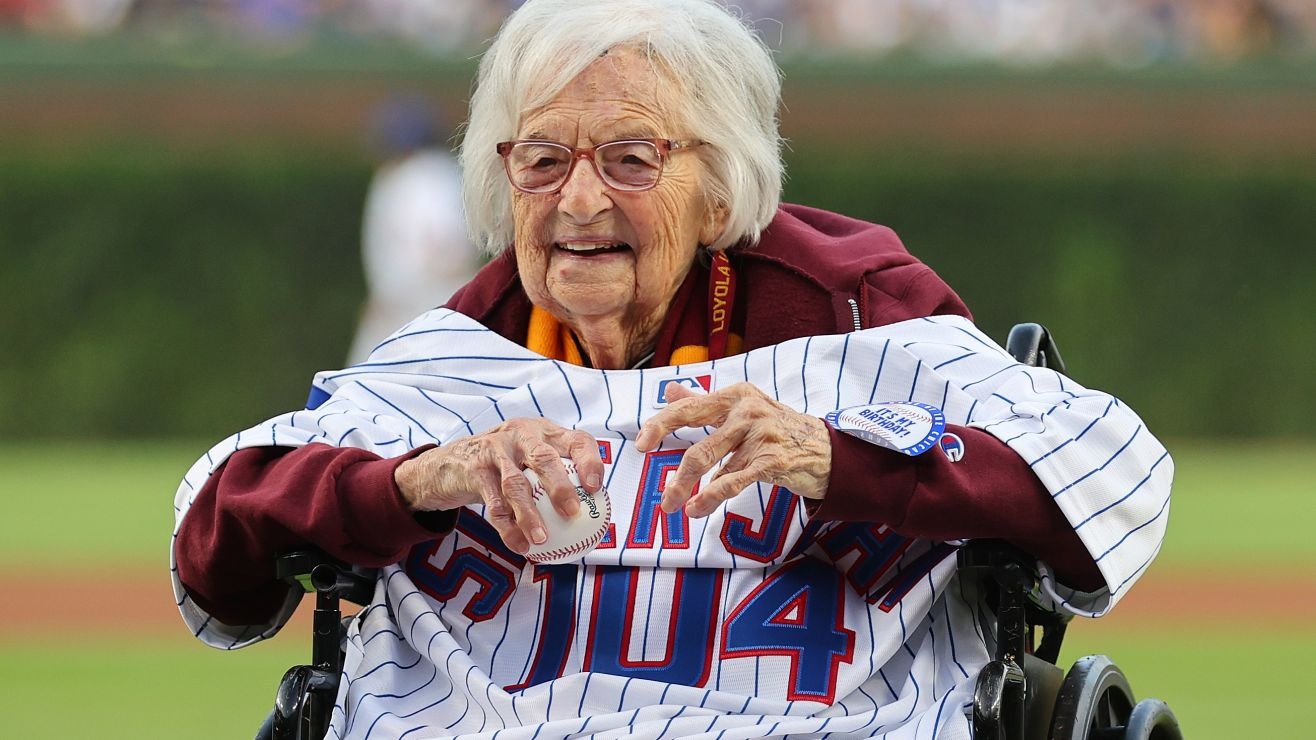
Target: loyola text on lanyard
721,297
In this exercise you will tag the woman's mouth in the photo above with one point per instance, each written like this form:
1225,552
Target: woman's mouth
589,249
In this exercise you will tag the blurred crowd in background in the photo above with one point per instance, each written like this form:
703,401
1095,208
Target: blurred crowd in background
1028,32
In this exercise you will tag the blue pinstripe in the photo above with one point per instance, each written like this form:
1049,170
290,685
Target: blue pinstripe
580,415
877,377
465,422
840,370
1130,533
1075,438
1150,472
1101,467
989,377
804,378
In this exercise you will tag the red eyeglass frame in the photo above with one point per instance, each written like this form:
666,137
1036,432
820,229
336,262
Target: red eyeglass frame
664,147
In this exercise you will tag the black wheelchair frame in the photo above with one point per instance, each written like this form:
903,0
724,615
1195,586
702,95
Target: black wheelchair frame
304,701
1020,695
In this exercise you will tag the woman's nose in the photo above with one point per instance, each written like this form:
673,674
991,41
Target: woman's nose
584,195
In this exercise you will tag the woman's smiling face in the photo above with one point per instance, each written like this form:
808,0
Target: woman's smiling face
597,257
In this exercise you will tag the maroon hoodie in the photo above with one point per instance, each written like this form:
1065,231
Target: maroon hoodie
812,273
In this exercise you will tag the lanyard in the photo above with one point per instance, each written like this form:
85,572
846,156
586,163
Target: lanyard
721,297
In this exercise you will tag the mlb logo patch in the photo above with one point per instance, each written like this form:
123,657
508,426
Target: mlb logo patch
953,446
698,383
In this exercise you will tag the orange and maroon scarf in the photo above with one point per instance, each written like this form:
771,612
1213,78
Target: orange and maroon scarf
679,341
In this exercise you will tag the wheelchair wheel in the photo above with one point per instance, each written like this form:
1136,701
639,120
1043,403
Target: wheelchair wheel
1152,720
1095,702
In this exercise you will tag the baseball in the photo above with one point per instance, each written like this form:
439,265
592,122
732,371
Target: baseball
569,539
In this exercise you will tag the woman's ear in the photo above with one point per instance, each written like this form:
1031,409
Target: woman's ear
715,222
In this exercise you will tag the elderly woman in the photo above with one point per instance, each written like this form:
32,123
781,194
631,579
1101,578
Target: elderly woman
743,377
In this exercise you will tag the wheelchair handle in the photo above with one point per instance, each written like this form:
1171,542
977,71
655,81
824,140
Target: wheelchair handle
1033,345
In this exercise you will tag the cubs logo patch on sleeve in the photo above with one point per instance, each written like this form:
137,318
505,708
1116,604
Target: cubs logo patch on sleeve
907,427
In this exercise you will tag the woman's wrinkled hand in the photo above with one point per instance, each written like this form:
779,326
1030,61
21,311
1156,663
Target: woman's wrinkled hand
486,468
767,441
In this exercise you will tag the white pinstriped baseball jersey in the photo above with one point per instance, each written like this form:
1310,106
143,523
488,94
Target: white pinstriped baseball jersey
752,622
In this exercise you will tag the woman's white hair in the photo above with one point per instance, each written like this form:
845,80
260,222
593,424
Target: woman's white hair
726,92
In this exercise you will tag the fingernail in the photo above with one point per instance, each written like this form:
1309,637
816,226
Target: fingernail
539,536
594,481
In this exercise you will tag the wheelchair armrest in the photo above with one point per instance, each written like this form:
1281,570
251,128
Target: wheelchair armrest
991,556
1015,692
332,580
315,572
1011,580
306,694
1008,577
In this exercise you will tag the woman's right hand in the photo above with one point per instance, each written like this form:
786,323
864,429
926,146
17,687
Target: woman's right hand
486,468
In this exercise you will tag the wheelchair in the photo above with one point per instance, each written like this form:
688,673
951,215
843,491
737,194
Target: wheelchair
1022,694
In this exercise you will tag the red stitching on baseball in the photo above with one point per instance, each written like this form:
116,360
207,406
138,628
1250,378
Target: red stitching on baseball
582,546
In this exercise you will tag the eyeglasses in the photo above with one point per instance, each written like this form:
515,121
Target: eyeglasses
631,165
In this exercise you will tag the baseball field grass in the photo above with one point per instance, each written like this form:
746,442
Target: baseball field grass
1221,627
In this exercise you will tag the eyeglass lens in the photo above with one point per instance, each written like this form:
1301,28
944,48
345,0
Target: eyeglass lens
625,165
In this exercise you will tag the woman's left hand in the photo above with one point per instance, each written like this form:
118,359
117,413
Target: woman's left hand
768,442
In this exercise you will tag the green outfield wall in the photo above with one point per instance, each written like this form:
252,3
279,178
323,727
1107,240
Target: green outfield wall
180,248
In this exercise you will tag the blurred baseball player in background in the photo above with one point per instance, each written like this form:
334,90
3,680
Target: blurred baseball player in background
414,245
